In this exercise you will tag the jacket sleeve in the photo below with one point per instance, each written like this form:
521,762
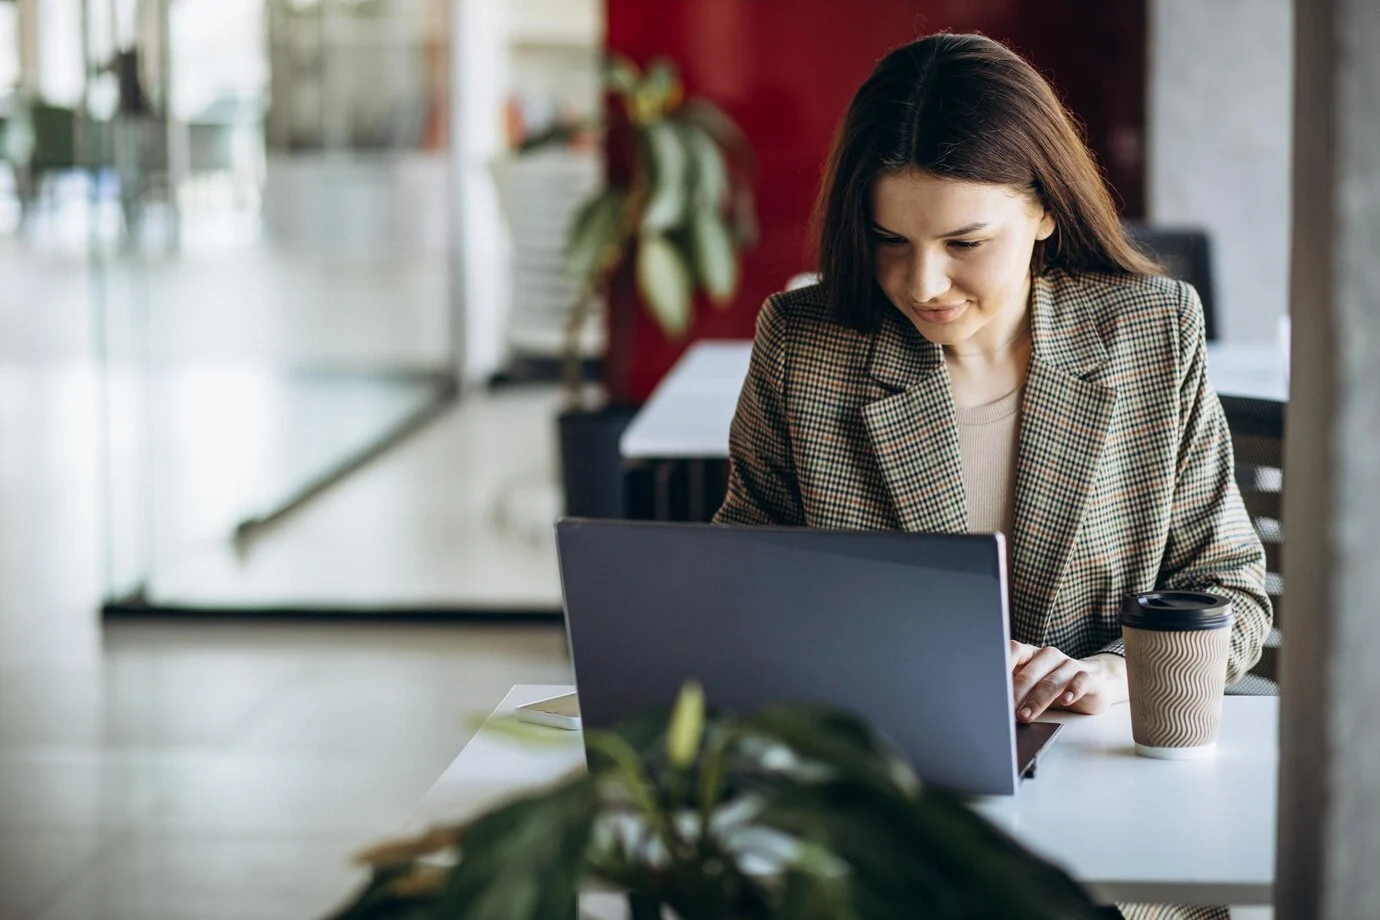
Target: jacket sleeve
1212,545
762,486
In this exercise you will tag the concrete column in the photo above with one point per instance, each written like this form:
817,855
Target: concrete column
1329,820
1218,146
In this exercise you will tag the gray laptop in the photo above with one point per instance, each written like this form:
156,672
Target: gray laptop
907,630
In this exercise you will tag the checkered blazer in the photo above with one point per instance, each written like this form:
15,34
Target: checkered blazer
1124,472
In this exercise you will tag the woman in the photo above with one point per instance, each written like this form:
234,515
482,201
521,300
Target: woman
986,352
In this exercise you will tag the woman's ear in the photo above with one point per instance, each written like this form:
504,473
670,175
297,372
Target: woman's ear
1046,228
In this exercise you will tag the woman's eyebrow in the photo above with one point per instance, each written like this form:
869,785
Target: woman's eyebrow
961,231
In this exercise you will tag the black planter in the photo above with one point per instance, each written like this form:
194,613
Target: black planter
591,467
642,907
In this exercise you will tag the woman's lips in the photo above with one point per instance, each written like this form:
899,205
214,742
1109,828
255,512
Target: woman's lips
946,313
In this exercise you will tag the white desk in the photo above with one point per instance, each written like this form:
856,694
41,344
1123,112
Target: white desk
1130,829
688,415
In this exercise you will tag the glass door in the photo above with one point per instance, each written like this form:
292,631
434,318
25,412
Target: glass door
270,250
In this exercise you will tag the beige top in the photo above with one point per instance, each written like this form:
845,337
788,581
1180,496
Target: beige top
987,443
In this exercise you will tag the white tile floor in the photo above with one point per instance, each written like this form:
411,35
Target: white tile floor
185,771
459,517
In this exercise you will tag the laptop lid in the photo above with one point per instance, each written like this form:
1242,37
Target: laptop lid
908,630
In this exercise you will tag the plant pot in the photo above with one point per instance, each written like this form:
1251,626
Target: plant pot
591,466
641,907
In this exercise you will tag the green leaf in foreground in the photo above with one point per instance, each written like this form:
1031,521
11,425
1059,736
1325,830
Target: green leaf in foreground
525,860
687,727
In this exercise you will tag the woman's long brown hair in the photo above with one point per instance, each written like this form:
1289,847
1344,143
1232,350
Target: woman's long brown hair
962,107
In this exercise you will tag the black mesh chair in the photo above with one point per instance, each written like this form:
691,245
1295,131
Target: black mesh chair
1257,437
1186,254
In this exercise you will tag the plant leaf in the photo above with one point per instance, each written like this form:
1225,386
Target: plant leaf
379,901
816,888
664,282
621,74
932,854
661,87
745,229
611,753
595,234
657,92
527,733
526,860
709,171
687,726
840,741
735,149
405,851
998,873
724,130
715,258
669,162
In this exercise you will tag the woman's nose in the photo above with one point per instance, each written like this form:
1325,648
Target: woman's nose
929,279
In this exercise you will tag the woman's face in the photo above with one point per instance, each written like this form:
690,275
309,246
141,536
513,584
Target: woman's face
954,257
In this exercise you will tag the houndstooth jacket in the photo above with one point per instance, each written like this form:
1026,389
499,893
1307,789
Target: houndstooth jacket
1124,474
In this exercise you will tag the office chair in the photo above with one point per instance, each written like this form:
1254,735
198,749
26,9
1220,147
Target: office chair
1186,254
1257,437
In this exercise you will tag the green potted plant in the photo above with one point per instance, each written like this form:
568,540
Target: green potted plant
671,222
796,812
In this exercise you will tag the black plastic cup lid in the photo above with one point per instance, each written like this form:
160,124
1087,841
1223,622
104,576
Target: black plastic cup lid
1176,611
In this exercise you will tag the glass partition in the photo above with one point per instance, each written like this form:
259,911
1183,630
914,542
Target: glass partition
270,265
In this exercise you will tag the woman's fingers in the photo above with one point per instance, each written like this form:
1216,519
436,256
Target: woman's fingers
1020,654
1028,677
1077,689
1051,689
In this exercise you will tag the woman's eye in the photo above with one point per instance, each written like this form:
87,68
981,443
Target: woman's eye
966,244
883,240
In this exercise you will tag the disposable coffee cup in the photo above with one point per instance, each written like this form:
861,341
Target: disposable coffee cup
1176,668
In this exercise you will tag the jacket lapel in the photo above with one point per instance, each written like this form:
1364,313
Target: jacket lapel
1065,416
913,432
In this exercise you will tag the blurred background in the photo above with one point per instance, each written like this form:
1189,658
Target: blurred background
312,253
283,315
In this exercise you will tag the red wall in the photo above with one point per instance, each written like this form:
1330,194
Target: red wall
785,71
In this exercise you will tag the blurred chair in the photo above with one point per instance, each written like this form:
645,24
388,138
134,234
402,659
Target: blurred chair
48,146
39,139
1257,436
1186,254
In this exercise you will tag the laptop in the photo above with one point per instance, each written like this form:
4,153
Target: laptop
909,631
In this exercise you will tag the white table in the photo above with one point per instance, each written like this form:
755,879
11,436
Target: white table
688,415
1130,829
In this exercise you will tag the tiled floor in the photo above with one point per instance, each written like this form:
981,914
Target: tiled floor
187,771
184,771
459,517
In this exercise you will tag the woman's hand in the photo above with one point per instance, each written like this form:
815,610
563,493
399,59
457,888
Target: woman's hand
1045,678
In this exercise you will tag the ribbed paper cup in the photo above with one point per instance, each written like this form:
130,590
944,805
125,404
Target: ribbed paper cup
1176,668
